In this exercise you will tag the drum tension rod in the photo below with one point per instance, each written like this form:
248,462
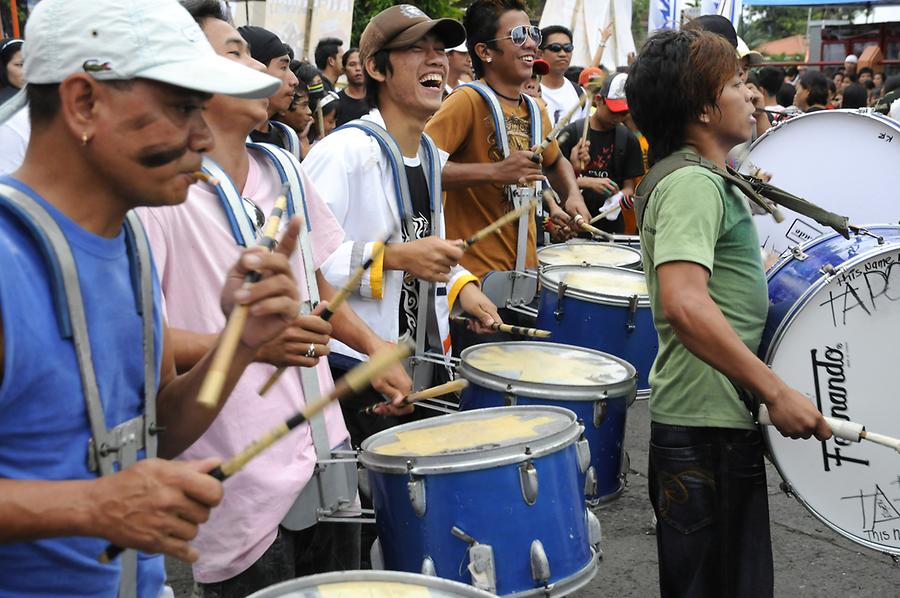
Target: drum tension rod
463,536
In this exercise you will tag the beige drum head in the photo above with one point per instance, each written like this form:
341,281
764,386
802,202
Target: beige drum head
588,252
370,584
609,282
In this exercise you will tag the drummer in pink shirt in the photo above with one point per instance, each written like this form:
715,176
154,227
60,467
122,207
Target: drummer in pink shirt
243,547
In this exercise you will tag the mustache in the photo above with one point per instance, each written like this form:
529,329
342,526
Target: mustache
155,159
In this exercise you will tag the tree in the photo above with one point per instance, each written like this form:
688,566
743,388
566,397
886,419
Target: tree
767,23
5,19
364,10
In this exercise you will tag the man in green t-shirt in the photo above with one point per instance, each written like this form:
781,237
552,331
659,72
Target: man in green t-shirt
708,292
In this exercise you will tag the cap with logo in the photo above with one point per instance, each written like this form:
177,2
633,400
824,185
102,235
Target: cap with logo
613,92
403,25
589,73
129,39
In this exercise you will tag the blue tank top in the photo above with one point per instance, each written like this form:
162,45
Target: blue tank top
44,428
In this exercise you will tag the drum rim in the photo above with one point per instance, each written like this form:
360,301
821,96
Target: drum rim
438,583
565,586
546,390
572,242
777,338
591,296
486,458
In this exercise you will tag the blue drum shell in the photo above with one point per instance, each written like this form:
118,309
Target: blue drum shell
487,503
587,319
790,278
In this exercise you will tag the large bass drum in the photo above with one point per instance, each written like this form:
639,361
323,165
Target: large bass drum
834,312
812,156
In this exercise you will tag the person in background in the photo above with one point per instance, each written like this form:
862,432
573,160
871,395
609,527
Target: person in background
878,79
790,77
833,100
331,112
890,94
785,95
298,116
272,53
11,63
850,63
592,74
838,77
559,94
812,92
864,74
315,83
352,99
460,67
770,79
610,159
532,87
855,96
328,60
573,73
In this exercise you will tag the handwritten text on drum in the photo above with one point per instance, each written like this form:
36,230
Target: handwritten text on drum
877,508
830,375
886,137
865,289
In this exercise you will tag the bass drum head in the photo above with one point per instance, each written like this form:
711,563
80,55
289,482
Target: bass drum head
834,346
369,584
810,156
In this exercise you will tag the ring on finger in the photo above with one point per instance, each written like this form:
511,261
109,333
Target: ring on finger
311,351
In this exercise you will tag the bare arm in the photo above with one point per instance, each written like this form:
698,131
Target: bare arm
562,178
702,328
605,34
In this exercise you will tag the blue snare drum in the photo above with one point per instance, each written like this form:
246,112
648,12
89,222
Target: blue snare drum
578,251
371,584
597,387
487,497
834,313
601,308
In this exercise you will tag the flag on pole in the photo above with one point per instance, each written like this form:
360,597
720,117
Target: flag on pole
664,14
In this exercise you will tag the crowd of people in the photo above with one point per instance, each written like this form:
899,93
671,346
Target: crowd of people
159,123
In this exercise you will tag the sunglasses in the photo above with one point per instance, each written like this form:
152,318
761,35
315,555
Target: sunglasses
560,47
520,34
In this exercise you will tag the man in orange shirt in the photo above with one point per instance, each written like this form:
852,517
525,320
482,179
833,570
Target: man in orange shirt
479,178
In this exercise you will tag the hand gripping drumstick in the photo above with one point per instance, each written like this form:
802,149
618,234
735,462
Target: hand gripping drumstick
626,203
519,330
335,303
211,390
428,393
354,382
499,223
847,430
592,230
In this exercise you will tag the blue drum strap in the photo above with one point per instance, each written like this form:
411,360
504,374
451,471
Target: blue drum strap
108,448
242,227
290,138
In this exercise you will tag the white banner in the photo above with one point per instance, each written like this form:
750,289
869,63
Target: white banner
731,10
587,19
664,14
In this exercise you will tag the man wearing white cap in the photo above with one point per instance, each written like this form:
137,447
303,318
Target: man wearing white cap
460,67
88,386
850,64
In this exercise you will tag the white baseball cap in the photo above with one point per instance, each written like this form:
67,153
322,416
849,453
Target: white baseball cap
851,58
117,40
613,92
460,48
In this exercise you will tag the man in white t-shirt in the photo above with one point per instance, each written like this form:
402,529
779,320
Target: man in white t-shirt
14,135
243,547
559,94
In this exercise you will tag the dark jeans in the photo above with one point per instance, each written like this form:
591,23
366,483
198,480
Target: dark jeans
708,489
321,548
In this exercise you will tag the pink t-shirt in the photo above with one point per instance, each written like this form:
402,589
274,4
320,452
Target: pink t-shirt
193,248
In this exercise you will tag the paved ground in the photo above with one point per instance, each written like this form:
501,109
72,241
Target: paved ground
810,560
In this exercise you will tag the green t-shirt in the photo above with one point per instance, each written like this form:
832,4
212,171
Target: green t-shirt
692,217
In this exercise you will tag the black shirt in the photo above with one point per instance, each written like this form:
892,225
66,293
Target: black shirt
421,205
350,108
274,137
603,165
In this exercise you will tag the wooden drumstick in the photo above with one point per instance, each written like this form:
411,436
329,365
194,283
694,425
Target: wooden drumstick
428,393
499,223
846,430
335,303
623,204
211,390
353,382
592,87
509,329
592,230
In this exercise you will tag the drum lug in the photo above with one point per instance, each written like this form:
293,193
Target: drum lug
829,270
528,480
599,411
481,562
509,397
583,449
376,556
428,567
595,532
625,466
786,488
540,565
797,254
416,489
590,482
632,310
560,295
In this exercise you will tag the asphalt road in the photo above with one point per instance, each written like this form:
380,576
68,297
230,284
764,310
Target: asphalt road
810,560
